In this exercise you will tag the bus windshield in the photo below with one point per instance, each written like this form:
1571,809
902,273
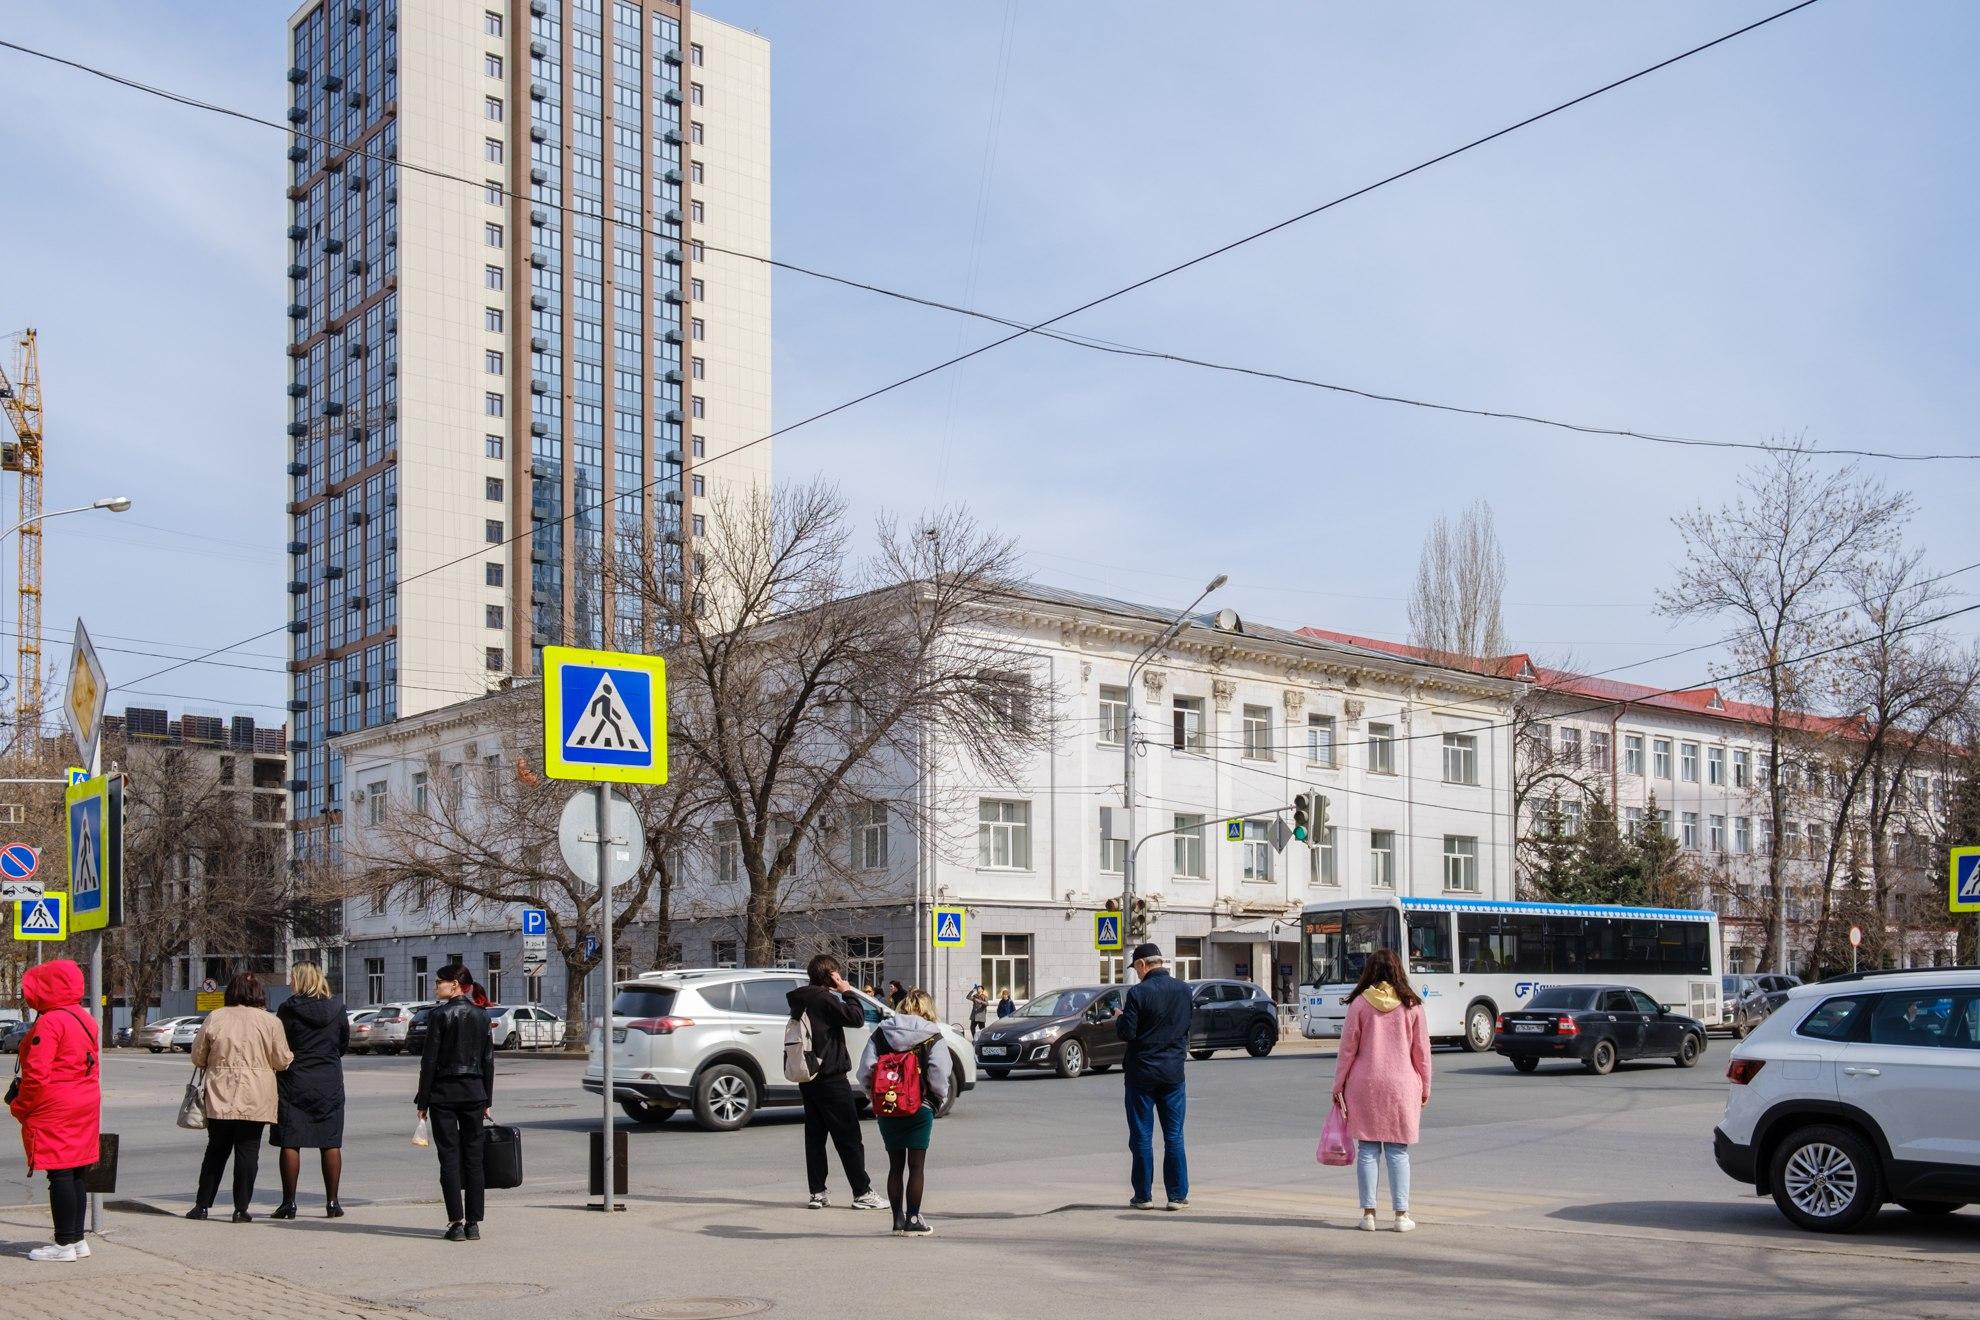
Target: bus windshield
1339,942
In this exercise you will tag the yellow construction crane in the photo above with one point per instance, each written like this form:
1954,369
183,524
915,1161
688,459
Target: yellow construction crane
20,398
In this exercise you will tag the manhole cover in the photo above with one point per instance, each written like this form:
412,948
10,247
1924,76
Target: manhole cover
696,1308
470,1292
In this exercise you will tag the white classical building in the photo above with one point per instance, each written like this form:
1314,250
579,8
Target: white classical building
1231,722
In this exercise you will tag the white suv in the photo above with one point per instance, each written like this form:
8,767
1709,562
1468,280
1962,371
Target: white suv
713,1040
1858,1091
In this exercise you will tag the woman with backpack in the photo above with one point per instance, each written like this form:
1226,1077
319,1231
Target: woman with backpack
904,1057
57,1099
1382,1079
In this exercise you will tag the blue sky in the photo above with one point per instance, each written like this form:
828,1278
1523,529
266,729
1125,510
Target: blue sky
1768,239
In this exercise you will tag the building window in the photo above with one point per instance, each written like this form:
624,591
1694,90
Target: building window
491,235
1003,834
1715,765
493,574
1766,836
701,446
695,94
695,134
374,803
1007,966
1381,859
1660,757
697,249
1382,749
491,975
1257,848
419,797
697,212
491,150
491,361
491,531
493,445
694,54
696,173
728,857
699,406
866,960
697,327
1632,753
491,278
1258,733
1633,821
1742,769
493,487
492,192
1688,837
1320,739
1113,852
698,368
1320,862
1113,716
1715,834
491,404
1598,747
492,65
491,109
1571,817
700,525
374,980
1461,863
697,485
1570,745
1742,834
1688,762
494,615
870,837
419,977
1189,847
491,23
491,320
697,290
1187,717
1460,758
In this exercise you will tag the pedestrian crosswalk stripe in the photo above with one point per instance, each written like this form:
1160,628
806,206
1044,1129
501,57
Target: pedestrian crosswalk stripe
606,724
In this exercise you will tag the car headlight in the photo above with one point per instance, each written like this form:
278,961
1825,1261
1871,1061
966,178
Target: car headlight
1043,1033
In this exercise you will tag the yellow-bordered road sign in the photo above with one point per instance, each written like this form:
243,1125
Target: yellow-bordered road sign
1963,880
604,716
96,853
44,918
1107,932
948,927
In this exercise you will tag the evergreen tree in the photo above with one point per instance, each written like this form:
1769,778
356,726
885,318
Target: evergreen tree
1554,856
1660,879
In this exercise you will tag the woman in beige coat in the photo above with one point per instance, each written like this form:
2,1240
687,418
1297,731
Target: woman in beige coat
241,1046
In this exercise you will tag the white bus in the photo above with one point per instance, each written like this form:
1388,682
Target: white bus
1472,960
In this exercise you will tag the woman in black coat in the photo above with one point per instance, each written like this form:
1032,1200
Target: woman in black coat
312,1089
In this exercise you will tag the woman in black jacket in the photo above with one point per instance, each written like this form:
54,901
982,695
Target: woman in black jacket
311,1089
456,1084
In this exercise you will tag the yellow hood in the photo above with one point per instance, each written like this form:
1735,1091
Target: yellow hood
1382,997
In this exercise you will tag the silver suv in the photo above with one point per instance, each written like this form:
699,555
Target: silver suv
713,1040
1860,1090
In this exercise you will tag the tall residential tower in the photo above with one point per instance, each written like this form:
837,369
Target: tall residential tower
513,353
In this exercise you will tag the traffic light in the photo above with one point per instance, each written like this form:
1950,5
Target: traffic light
1138,920
1303,817
1320,822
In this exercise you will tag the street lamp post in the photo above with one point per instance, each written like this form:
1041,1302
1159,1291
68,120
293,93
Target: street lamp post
114,503
27,700
1127,753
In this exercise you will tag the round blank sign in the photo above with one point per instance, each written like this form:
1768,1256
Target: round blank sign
577,835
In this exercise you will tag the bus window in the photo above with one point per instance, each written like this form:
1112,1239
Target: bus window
1429,941
1338,943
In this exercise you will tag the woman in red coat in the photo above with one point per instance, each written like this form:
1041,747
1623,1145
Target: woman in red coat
59,1101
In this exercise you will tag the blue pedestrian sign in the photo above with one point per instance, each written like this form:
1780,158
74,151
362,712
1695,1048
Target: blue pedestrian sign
536,921
41,918
18,861
1965,879
1107,932
948,926
604,716
96,854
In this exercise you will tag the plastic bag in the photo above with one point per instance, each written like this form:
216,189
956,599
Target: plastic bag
423,1134
1335,1149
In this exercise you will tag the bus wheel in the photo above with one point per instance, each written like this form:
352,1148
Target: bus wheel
1478,1025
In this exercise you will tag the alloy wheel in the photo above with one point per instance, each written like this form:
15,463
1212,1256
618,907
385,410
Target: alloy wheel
1820,1179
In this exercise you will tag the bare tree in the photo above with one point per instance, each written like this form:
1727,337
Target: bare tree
811,682
1454,610
1772,559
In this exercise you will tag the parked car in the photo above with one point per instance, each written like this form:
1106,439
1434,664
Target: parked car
1598,1026
1231,1015
415,1041
185,1030
1746,1004
712,1039
1861,1091
1776,985
11,1036
361,1025
524,1027
391,1022
156,1035
1067,1031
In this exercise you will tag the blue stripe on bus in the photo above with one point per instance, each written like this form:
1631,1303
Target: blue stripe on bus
1553,909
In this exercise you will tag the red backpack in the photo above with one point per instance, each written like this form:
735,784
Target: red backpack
897,1082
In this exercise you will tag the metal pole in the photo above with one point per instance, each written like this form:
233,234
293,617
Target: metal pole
97,1008
1127,803
605,924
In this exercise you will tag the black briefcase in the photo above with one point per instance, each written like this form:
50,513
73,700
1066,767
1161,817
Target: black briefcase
501,1156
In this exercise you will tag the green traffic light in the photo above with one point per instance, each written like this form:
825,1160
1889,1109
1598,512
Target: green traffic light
1300,833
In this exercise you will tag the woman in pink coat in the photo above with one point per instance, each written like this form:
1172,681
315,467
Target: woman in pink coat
1382,1079
59,1102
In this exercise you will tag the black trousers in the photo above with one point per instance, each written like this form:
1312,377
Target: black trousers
242,1140
66,1202
831,1111
457,1140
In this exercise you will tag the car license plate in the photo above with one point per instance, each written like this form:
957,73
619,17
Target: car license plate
1529,1026
995,1051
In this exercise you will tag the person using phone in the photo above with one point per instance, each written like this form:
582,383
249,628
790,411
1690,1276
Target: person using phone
830,1111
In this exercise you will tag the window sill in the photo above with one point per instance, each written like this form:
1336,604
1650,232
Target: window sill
1386,774
1322,765
1464,893
1262,760
1007,870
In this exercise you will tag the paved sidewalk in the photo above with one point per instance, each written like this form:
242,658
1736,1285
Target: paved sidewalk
69,1293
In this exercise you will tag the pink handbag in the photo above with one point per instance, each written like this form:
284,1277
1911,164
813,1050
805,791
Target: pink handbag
1335,1148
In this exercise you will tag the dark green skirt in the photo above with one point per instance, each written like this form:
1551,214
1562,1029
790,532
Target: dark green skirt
908,1133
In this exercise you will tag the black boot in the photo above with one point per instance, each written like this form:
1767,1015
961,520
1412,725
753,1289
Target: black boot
197,1212
456,1233
473,1231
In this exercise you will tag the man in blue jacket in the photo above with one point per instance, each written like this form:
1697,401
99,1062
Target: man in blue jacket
1155,1025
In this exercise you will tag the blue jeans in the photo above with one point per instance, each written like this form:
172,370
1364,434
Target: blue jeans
1142,1106
1397,1157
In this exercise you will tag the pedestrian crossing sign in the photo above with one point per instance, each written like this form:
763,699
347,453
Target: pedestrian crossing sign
1107,932
96,853
604,716
41,918
1234,831
1965,880
947,927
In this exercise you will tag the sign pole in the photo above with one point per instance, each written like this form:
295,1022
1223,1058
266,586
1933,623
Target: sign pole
97,1008
605,925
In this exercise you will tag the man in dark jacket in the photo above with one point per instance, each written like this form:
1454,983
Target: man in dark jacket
1155,1025
456,1086
830,1006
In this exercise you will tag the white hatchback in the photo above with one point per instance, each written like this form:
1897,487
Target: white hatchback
1858,1091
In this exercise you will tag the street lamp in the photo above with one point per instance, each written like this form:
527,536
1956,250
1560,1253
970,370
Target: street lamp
1127,752
114,503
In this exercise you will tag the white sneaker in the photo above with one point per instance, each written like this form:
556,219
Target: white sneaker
868,1202
818,1201
1368,1222
1403,1223
82,1250
52,1252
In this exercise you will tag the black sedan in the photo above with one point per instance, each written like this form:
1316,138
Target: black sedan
1066,1031
1231,1015
1597,1025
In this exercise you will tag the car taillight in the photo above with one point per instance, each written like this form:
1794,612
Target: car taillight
661,1026
1741,1071
1568,1027
1499,1024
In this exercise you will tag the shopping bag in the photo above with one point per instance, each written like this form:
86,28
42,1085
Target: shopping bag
1335,1148
501,1156
422,1132
192,1109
